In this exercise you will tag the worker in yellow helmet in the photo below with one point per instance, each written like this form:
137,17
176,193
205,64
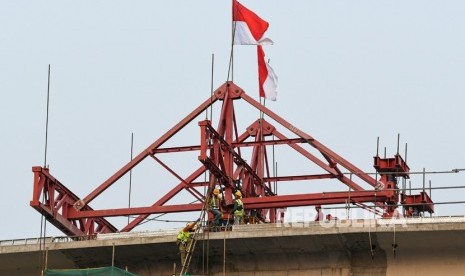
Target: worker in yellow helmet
238,209
184,240
214,206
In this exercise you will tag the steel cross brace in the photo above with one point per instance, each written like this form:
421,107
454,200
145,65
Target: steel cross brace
207,128
58,202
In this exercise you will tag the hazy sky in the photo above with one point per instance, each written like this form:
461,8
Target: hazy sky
349,71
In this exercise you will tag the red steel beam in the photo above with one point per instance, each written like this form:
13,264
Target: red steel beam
299,177
279,178
282,201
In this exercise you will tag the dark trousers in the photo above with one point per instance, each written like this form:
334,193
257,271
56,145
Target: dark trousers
216,216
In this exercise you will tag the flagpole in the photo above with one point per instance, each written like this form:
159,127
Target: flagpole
233,27
231,56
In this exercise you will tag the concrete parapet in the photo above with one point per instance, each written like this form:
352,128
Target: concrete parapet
369,247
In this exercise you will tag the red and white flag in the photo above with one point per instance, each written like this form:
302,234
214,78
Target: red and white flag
267,79
249,28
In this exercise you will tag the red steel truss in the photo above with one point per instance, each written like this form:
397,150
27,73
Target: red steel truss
221,157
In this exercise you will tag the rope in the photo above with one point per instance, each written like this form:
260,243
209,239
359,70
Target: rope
224,249
191,248
394,244
43,233
369,237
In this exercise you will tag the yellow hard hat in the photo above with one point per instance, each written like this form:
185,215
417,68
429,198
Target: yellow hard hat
238,193
216,192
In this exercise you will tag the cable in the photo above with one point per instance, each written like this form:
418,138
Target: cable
394,244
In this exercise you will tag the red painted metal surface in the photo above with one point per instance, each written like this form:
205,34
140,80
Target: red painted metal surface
58,201
220,155
422,202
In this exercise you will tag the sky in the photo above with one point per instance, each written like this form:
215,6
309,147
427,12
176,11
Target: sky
349,72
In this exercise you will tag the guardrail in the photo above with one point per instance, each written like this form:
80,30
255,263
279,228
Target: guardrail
172,232
64,239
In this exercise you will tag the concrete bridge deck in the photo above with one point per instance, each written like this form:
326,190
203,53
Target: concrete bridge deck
426,246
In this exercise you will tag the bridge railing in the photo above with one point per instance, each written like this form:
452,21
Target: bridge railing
253,227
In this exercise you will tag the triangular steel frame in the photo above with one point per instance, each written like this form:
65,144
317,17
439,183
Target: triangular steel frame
220,155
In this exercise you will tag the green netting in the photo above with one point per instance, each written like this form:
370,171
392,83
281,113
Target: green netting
107,271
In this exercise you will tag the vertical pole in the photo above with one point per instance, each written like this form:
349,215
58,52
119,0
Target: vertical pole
377,155
424,177
276,182
430,196
113,256
224,254
232,40
430,214
203,224
398,140
274,167
130,174
211,89
208,251
231,57
404,185
46,120
405,152
348,201
43,221
46,258
261,159
42,240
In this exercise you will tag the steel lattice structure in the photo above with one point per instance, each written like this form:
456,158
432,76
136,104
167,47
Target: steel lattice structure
221,157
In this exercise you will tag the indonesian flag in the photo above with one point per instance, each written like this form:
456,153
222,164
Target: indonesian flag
249,28
267,79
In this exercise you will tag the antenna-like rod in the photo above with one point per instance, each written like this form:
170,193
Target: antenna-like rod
405,153
46,120
130,173
424,176
211,88
398,140
430,190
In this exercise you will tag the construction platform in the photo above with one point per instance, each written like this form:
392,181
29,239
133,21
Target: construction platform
412,246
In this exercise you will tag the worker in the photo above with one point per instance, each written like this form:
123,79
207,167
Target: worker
396,214
409,212
415,212
214,208
238,209
319,213
184,240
